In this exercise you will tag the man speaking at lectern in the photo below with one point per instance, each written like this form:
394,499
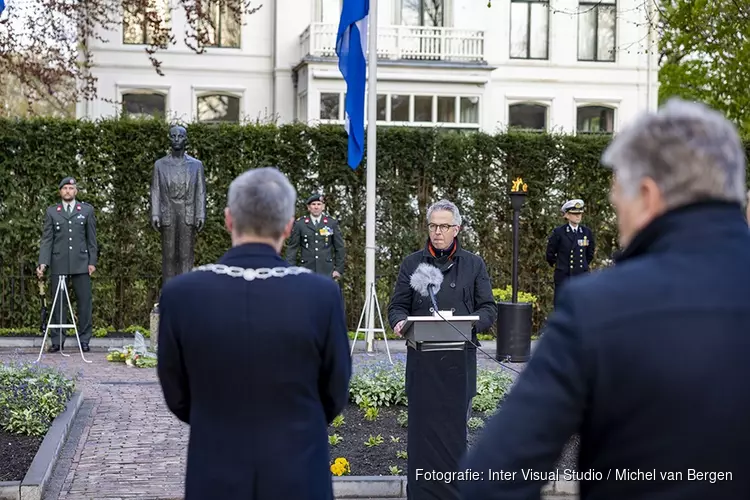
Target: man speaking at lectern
466,290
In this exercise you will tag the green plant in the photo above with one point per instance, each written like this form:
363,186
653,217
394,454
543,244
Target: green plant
374,441
31,396
506,295
334,439
403,418
401,454
379,384
395,439
492,385
475,423
371,414
394,470
338,421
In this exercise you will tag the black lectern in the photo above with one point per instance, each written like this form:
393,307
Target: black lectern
437,387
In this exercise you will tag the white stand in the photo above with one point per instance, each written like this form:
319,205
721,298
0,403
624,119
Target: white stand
371,301
61,287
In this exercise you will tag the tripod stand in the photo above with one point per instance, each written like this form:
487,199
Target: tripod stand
62,289
371,302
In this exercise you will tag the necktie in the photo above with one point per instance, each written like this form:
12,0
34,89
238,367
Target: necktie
67,209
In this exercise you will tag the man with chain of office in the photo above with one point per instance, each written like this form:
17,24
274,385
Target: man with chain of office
254,355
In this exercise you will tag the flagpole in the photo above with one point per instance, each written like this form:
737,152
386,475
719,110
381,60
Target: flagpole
372,108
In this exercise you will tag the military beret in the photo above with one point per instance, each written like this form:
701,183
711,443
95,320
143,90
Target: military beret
573,207
67,180
315,197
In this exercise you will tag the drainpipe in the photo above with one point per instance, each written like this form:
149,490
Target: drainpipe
275,58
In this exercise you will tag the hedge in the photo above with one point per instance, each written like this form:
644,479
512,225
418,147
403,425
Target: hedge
112,161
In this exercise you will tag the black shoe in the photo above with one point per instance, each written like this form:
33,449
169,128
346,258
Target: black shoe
54,348
85,347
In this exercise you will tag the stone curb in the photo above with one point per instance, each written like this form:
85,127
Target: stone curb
394,487
36,479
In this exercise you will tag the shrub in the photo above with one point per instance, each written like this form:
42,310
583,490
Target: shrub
506,294
382,384
31,396
492,386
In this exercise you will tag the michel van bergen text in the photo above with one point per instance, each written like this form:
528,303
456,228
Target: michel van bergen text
572,475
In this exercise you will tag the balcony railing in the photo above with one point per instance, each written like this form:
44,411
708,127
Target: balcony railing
403,43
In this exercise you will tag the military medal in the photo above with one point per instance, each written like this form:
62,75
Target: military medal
78,207
59,208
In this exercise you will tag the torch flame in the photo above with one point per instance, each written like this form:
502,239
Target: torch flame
519,185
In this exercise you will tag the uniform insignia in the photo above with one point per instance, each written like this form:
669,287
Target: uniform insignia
325,220
307,220
325,231
78,207
59,208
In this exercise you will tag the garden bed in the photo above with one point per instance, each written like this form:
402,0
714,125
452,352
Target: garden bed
389,456
31,397
371,432
16,454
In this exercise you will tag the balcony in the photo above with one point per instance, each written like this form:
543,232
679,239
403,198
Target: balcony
412,43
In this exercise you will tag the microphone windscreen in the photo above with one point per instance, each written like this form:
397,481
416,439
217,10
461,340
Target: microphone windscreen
424,276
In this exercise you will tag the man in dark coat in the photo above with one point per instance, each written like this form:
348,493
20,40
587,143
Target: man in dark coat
254,355
69,249
571,246
318,240
623,360
466,289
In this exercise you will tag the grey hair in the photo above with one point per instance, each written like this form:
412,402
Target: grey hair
261,202
691,151
445,205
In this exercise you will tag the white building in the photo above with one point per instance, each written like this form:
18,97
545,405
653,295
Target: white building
559,65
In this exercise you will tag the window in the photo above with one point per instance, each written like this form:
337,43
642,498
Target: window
596,31
423,110
595,119
216,108
429,13
529,29
144,104
144,26
327,11
224,24
329,106
527,116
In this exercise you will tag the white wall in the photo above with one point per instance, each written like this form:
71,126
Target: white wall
261,71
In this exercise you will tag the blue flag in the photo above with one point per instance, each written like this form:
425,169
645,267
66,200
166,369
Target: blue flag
2,6
351,44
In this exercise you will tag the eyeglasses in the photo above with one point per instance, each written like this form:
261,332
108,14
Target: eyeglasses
443,227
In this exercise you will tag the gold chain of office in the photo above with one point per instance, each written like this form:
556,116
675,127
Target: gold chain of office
248,274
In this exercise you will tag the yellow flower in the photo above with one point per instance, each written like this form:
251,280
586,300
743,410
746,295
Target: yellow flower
340,467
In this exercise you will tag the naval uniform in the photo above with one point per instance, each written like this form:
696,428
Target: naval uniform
68,247
570,252
320,245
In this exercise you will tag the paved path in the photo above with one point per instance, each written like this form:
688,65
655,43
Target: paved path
125,443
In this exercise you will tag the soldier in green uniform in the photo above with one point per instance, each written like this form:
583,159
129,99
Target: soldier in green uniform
317,237
69,248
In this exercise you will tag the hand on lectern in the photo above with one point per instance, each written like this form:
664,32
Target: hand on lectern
398,327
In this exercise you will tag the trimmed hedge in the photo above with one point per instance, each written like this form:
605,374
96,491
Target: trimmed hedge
113,160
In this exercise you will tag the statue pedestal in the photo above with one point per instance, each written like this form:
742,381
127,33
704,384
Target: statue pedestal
154,327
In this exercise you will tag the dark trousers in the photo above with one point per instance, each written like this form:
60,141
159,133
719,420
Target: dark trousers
82,287
177,248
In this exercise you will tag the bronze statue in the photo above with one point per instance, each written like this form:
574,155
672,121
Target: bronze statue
178,205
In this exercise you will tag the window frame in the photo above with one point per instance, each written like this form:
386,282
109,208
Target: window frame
528,31
595,6
221,93
530,102
125,91
144,24
585,105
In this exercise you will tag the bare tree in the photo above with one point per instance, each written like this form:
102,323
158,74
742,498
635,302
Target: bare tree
44,44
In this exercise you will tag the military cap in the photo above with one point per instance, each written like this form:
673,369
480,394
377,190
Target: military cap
67,180
315,197
573,207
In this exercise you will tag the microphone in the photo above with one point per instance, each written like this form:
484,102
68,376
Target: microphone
426,281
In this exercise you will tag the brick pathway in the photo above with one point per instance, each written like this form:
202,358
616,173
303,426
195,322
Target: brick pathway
125,443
